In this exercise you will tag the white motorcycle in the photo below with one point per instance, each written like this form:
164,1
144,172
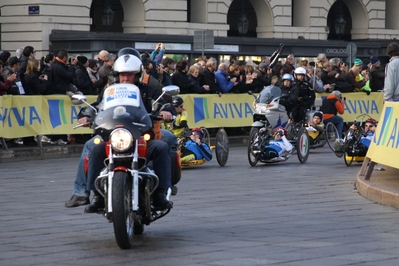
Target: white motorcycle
266,118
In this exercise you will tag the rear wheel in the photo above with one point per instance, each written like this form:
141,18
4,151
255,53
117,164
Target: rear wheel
222,147
123,217
333,139
206,137
253,148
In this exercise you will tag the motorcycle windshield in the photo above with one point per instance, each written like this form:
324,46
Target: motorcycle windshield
122,106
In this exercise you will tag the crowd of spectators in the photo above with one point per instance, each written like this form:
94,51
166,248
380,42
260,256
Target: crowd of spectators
61,74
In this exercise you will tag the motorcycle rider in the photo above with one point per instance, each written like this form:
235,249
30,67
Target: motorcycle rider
127,67
306,95
81,190
289,94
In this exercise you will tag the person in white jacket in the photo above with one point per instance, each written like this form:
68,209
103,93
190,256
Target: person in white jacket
279,147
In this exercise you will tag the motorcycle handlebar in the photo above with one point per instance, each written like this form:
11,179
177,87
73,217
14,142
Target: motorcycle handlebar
81,125
160,117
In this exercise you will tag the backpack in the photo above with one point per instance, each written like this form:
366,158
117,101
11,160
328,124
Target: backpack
50,84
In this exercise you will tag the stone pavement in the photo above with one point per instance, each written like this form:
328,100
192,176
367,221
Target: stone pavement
287,214
383,186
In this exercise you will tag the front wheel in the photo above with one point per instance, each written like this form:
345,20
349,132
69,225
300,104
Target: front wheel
253,146
123,217
348,146
302,145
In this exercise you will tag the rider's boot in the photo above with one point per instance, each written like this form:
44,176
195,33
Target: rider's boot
159,199
96,204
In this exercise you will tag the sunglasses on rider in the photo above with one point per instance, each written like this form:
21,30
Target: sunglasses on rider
369,126
180,106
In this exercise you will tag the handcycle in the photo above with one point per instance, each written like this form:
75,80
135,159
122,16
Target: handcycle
266,118
221,146
329,134
352,148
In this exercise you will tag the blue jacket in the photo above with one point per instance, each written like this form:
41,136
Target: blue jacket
200,152
222,83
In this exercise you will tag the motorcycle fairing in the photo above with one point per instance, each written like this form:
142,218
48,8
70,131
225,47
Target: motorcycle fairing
122,106
121,95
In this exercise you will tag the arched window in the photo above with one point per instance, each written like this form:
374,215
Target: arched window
242,19
106,15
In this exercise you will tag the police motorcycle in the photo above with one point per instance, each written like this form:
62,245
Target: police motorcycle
268,117
127,181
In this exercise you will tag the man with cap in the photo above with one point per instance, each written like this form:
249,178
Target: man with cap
331,106
353,78
377,75
315,127
194,148
266,74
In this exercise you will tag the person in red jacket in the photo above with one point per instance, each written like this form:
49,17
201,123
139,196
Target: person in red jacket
331,106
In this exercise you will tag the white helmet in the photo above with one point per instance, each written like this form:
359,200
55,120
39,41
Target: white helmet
300,71
127,63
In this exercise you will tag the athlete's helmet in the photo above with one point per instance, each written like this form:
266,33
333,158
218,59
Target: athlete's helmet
319,114
287,77
177,101
372,121
129,50
199,131
276,130
127,63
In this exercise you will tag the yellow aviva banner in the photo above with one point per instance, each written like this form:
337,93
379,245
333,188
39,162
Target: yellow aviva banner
22,116
235,110
384,147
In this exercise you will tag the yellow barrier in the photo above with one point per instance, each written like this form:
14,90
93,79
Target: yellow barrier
385,143
22,116
235,110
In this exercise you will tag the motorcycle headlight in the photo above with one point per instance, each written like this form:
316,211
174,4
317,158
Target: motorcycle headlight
261,108
121,139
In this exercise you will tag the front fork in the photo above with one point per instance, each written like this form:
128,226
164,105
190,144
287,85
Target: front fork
134,173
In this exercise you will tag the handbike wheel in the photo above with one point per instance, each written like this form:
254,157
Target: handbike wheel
206,137
222,147
347,147
333,138
253,157
302,145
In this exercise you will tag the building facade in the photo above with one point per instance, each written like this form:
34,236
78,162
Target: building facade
239,27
